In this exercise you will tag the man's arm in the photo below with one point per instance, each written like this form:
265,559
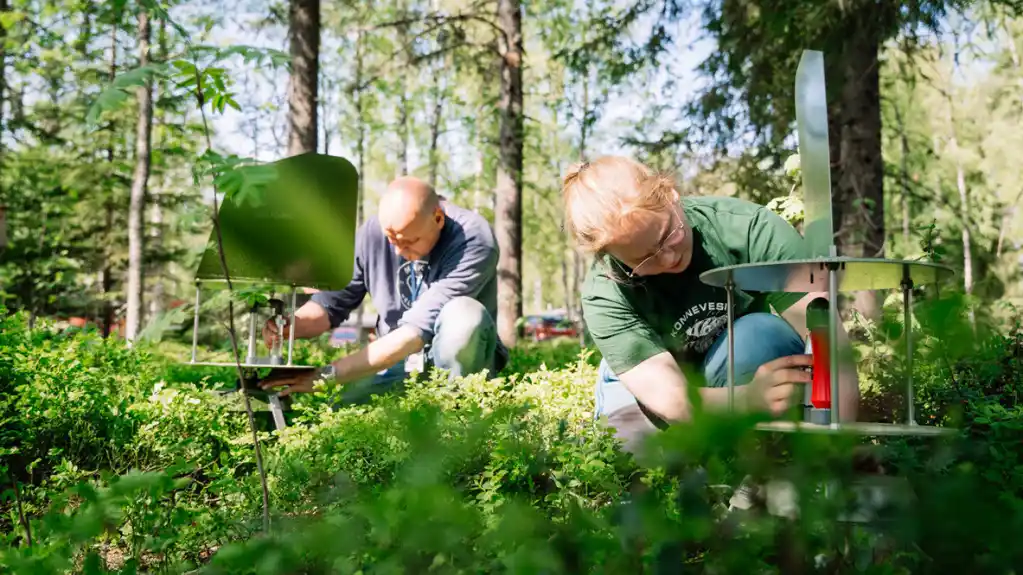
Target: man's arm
378,355
465,269
322,312
848,379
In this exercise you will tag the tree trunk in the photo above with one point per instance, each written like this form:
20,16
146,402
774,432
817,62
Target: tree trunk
577,264
1007,216
140,179
435,125
107,273
156,219
303,88
858,205
360,150
964,197
508,216
403,100
904,176
1014,55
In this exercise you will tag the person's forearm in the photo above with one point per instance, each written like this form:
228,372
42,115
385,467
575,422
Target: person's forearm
716,398
311,320
379,355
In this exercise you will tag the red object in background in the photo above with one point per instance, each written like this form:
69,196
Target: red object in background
541,328
820,395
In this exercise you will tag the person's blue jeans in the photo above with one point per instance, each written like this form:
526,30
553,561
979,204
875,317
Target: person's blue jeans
464,343
759,338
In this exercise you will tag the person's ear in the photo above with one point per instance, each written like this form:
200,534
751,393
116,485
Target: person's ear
438,217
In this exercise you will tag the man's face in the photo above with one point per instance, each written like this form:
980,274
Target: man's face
413,238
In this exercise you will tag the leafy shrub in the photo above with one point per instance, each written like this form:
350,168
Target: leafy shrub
508,474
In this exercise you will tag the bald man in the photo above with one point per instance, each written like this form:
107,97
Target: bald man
431,269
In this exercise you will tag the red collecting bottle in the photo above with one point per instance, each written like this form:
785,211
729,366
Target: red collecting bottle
817,399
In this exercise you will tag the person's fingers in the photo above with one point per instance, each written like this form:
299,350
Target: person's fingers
786,376
789,361
778,393
268,384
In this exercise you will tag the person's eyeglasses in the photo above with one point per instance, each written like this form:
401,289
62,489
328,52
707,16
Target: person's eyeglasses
660,249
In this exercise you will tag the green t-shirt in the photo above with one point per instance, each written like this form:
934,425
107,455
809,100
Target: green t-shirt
633,319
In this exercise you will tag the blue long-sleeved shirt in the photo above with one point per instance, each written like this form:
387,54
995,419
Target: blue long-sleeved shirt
463,263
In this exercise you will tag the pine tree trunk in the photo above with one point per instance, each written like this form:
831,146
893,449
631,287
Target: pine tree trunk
140,179
304,32
508,216
858,205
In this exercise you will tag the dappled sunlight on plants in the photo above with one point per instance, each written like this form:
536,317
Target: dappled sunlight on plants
124,462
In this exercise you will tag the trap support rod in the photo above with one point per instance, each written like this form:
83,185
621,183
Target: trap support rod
907,304
195,321
729,289
833,336
291,324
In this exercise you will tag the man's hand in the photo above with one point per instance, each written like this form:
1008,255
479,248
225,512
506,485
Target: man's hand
776,381
270,334
292,381
311,320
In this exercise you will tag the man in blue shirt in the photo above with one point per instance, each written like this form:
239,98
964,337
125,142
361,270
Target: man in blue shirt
431,269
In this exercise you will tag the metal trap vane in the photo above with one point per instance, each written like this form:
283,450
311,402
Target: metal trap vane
297,231
825,271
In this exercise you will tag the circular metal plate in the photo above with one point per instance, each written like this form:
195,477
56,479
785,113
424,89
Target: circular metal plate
248,365
802,276
859,428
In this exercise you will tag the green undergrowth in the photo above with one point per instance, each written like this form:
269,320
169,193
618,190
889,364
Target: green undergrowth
123,461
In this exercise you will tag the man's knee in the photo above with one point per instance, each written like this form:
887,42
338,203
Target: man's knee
759,338
462,338
462,318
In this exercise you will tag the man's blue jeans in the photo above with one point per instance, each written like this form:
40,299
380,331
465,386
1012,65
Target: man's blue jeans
464,343
759,338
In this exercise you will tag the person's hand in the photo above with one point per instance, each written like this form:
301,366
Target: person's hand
270,334
292,381
776,381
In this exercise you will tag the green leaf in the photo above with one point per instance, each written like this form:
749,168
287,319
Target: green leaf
246,184
117,92
9,19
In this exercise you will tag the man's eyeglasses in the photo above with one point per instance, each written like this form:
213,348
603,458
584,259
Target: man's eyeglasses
680,227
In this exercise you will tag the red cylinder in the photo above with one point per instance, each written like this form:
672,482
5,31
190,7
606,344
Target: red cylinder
820,396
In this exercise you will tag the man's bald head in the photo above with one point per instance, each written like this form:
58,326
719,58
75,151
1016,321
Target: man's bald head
407,198
411,216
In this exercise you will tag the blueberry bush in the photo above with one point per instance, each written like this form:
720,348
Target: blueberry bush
121,460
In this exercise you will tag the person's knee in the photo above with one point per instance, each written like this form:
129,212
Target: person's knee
461,336
759,338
